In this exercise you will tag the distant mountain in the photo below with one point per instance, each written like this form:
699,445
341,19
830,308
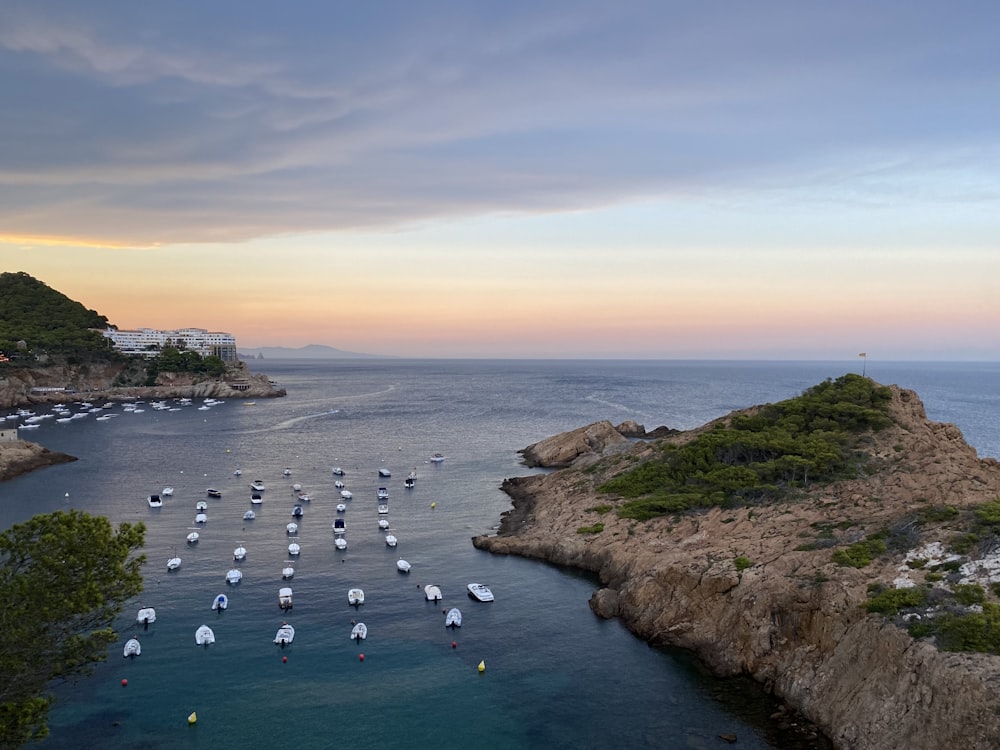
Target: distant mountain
312,351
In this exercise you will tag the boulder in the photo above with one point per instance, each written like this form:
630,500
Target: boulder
562,450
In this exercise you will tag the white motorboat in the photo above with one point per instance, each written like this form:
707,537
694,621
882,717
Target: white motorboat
240,553
257,485
296,487
437,458
200,518
297,511
390,540
146,616
173,563
432,593
167,491
454,618
382,493
337,471
287,472
201,505
234,576
203,636
294,549
355,597
481,592
383,507
339,485
291,527
285,635
220,603
238,473
346,494
256,499
383,523
193,537
132,648
339,526
249,515
402,566
359,632
154,501
340,543
212,492
408,483
287,572
412,476
303,497
285,598
383,472
341,507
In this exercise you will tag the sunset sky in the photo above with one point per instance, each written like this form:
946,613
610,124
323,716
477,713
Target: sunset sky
769,180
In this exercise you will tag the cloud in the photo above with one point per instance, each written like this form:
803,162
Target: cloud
231,121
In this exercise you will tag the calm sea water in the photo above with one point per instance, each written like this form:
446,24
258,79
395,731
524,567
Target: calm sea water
556,675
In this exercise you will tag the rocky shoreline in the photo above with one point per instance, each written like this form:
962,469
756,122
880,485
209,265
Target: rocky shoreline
791,619
20,457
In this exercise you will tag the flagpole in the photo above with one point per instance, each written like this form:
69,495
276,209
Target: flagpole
864,362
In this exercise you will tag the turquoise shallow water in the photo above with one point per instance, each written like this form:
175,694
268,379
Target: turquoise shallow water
555,674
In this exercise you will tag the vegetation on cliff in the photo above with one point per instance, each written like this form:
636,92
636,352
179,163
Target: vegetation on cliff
47,321
760,455
64,578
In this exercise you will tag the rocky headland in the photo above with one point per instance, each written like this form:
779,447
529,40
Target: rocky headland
755,591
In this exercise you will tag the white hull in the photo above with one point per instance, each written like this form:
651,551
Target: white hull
203,636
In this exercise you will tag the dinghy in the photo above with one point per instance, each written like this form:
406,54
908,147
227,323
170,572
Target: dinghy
285,635
383,523
249,515
132,648
291,527
355,597
234,576
454,618
203,636
359,632
402,566
390,540
288,571
220,603
340,543
146,616
294,549
432,593
193,537
240,553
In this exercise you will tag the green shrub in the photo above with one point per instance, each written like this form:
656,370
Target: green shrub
989,513
890,601
602,509
742,563
937,513
596,528
969,593
860,554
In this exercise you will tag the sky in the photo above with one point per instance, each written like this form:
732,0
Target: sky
633,180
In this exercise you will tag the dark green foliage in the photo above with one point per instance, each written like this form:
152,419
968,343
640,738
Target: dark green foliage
860,554
47,321
596,528
64,577
968,593
889,602
742,563
970,631
937,513
989,513
963,544
602,509
172,359
759,456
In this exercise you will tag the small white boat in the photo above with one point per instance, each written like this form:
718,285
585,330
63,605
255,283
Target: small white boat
402,566
256,499
341,507
296,487
297,511
339,526
346,494
355,597
294,549
146,616
383,508
249,515
412,476
383,523
454,618
340,543
240,553
287,572
437,458
287,472
382,493
285,598
359,632
303,497
390,540
292,527
432,593
408,483
201,518
203,636
154,501
212,492
220,603
193,537
167,491
201,505
173,563
234,576
383,472
132,648
238,473
285,635
257,485
337,471
339,485
481,592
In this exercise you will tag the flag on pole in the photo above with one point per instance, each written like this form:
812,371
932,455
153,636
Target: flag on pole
862,354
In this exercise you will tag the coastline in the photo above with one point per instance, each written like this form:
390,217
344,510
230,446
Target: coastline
19,457
793,620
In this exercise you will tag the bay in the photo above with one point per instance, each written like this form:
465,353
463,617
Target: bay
555,674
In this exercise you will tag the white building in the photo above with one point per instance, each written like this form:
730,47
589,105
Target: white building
147,342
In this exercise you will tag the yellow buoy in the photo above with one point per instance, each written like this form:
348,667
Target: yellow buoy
433,505
193,717
482,666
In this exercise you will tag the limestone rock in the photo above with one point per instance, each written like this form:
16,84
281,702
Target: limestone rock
562,450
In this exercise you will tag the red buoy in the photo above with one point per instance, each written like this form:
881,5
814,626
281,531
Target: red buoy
124,683
361,657
454,645
284,660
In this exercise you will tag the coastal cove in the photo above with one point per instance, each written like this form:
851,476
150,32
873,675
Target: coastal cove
552,667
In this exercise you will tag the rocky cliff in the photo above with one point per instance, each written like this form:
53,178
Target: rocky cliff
787,615
19,457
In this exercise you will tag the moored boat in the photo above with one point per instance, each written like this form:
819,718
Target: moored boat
240,553
285,635
355,597
167,491
359,632
249,515
288,571
220,602
257,485
390,540
285,598
212,492
146,616
154,501
402,565
383,472
340,543
204,636
294,548
173,563
132,648
480,592
337,471
234,576
437,458
432,593
454,618
193,537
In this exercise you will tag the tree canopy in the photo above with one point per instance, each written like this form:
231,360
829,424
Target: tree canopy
64,577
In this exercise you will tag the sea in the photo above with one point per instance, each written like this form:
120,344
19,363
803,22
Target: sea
535,668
